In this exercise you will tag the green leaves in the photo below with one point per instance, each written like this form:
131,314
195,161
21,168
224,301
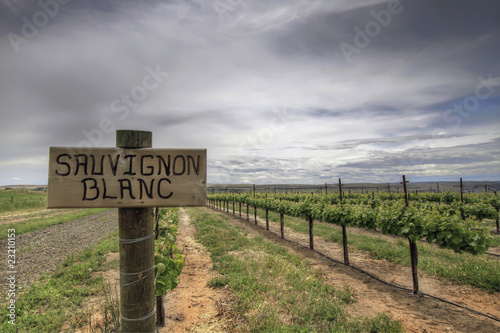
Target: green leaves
454,226
456,240
168,261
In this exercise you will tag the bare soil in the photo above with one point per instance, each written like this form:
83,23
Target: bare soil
417,313
43,250
193,306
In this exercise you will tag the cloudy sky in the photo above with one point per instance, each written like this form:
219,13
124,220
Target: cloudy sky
278,91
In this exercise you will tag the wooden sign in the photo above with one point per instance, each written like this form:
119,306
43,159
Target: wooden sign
121,177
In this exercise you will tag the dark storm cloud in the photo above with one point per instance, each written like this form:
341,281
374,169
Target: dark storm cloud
422,156
264,85
351,144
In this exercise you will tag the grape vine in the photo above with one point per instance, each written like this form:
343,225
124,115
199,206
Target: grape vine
168,261
454,226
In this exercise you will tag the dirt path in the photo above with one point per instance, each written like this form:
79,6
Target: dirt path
41,251
7,218
418,314
193,306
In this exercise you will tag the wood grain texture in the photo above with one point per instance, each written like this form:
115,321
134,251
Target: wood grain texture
136,257
137,294
134,139
123,177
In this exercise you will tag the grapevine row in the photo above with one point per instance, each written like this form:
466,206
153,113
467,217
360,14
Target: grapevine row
483,207
443,225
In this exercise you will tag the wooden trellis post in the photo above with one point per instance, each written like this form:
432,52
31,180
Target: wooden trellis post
132,177
461,191
137,246
413,247
344,231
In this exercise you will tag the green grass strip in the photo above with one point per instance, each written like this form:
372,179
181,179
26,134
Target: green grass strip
46,305
17,200
44,222
480,271
276,290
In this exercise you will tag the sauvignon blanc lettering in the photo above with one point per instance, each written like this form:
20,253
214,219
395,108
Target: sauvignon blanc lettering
108,175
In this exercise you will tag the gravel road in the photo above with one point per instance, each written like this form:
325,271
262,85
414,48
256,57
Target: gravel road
43,250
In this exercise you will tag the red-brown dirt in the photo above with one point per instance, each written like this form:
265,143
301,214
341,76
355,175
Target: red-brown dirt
417,313
195,307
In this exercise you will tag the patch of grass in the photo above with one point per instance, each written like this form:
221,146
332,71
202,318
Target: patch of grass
476,270
492,225
44,222
382,323
277,291
110,311
18,200
496,241
46,305
111,264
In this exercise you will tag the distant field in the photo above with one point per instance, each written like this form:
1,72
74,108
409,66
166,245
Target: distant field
22,187
22,200
332,187
26,211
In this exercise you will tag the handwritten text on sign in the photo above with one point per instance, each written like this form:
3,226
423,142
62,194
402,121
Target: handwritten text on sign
120,177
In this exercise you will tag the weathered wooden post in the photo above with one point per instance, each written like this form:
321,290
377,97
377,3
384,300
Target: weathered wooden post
134,178
282,226
136,231
405,190
461,191
267,219
344,231
413,247
311,236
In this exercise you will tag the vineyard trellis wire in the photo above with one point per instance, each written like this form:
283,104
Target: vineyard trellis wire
448,222
296,205
466,188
